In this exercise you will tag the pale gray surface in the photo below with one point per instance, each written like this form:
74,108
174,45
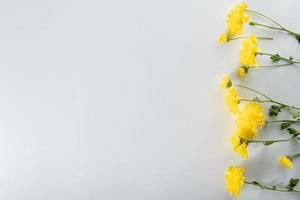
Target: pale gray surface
119,99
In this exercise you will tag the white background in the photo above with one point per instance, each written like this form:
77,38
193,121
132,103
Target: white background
119,100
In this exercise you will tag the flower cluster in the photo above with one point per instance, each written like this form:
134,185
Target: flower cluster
235,180
235,22
252,115
250,118
237,17
249,51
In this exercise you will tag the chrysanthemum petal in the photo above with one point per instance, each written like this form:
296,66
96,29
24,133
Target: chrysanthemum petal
235,180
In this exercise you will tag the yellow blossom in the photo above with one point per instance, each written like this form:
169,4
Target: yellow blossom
236,19
232,100
249,51
249,120
225,82
235,180
286,162
222,38
235,141
242,71
238,147
242,151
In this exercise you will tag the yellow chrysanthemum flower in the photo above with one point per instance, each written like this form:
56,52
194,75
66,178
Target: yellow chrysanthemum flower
232,100
242,72
249,120
249,51
236,19
238,147
242,151
225,82
235,180
222,38
286,162
246,133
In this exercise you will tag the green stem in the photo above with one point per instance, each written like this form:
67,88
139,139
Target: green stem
266,17
264,38
280,57
252,23
254,100
294,156
272,188
247,88
281,65
269,100
282,121
268,142
243,37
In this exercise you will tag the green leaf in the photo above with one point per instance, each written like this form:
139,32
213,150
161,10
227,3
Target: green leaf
274,110
255,183
293,183
285,125
294,132
275,57
297,36
295,114
267,143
